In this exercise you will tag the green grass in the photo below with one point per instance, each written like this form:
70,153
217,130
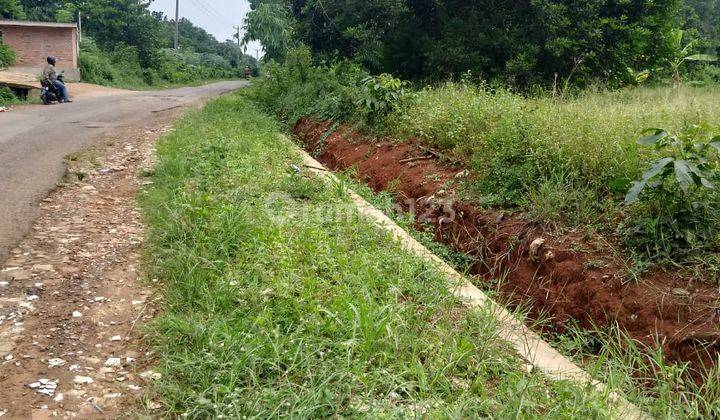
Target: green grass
564,163
517,144
663,389
660,388
8,98
281,300
560,161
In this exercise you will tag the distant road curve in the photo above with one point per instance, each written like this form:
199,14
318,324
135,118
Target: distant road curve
35,139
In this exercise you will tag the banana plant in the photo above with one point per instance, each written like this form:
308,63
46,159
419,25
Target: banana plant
682,54
689,158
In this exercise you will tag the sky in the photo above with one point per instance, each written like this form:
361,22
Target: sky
215,16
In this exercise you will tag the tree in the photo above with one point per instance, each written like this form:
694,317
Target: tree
682,54
41,10
272,25
11,9
128,22
520,42
703,18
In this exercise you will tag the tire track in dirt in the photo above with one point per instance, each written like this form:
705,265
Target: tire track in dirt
72,298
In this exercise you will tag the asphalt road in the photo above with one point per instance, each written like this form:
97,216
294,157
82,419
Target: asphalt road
34,141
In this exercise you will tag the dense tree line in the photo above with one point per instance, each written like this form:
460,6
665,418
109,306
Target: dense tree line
702,18
520,42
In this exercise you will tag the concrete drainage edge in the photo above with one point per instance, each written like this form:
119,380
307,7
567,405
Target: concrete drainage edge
528,344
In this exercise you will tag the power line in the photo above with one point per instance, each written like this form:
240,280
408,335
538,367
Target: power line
203,9
209,11
212,9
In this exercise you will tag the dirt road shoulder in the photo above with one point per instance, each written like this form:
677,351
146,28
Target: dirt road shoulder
72,299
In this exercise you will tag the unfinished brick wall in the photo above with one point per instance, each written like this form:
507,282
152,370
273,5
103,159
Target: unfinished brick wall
33,45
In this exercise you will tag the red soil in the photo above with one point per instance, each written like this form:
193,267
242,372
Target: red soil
568,278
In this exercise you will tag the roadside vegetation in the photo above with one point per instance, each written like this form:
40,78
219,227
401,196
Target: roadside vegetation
660,388
599,120
7,55
547,113
281,300
564,162
7,97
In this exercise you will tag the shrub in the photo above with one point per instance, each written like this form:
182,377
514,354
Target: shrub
380,96
7,55
326,93
679,208
668,229
6,95
122,67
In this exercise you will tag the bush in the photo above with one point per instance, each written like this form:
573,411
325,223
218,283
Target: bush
381,95
7,96
680,209
705,75
122,66
7,56
326,93
666,228
563,161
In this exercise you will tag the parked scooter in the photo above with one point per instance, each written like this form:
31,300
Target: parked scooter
49,93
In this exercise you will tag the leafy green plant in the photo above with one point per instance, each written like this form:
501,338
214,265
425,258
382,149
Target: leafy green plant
272,25
690,161
299,63
682,54
7,96
676,211
380,94
7,55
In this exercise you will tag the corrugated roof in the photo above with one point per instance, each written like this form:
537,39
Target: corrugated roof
37,24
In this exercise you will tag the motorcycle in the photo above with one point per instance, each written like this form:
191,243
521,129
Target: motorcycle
49,93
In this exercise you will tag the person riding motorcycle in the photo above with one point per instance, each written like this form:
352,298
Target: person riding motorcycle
50,74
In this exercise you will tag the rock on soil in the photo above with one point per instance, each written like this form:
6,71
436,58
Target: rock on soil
70,327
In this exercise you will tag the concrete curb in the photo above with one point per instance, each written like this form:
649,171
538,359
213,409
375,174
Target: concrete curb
529,345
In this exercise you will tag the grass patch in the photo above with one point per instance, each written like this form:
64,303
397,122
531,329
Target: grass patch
281,300
566,163
660,388
518,144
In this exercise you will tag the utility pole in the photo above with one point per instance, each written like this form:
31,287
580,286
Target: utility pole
177,24
79,27
237,35
257,55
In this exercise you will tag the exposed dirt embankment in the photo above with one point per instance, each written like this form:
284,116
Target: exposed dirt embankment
566,278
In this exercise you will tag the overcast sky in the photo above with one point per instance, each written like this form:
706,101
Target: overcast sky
215,16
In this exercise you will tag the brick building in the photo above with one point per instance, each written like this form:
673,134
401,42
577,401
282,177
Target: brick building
33,42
